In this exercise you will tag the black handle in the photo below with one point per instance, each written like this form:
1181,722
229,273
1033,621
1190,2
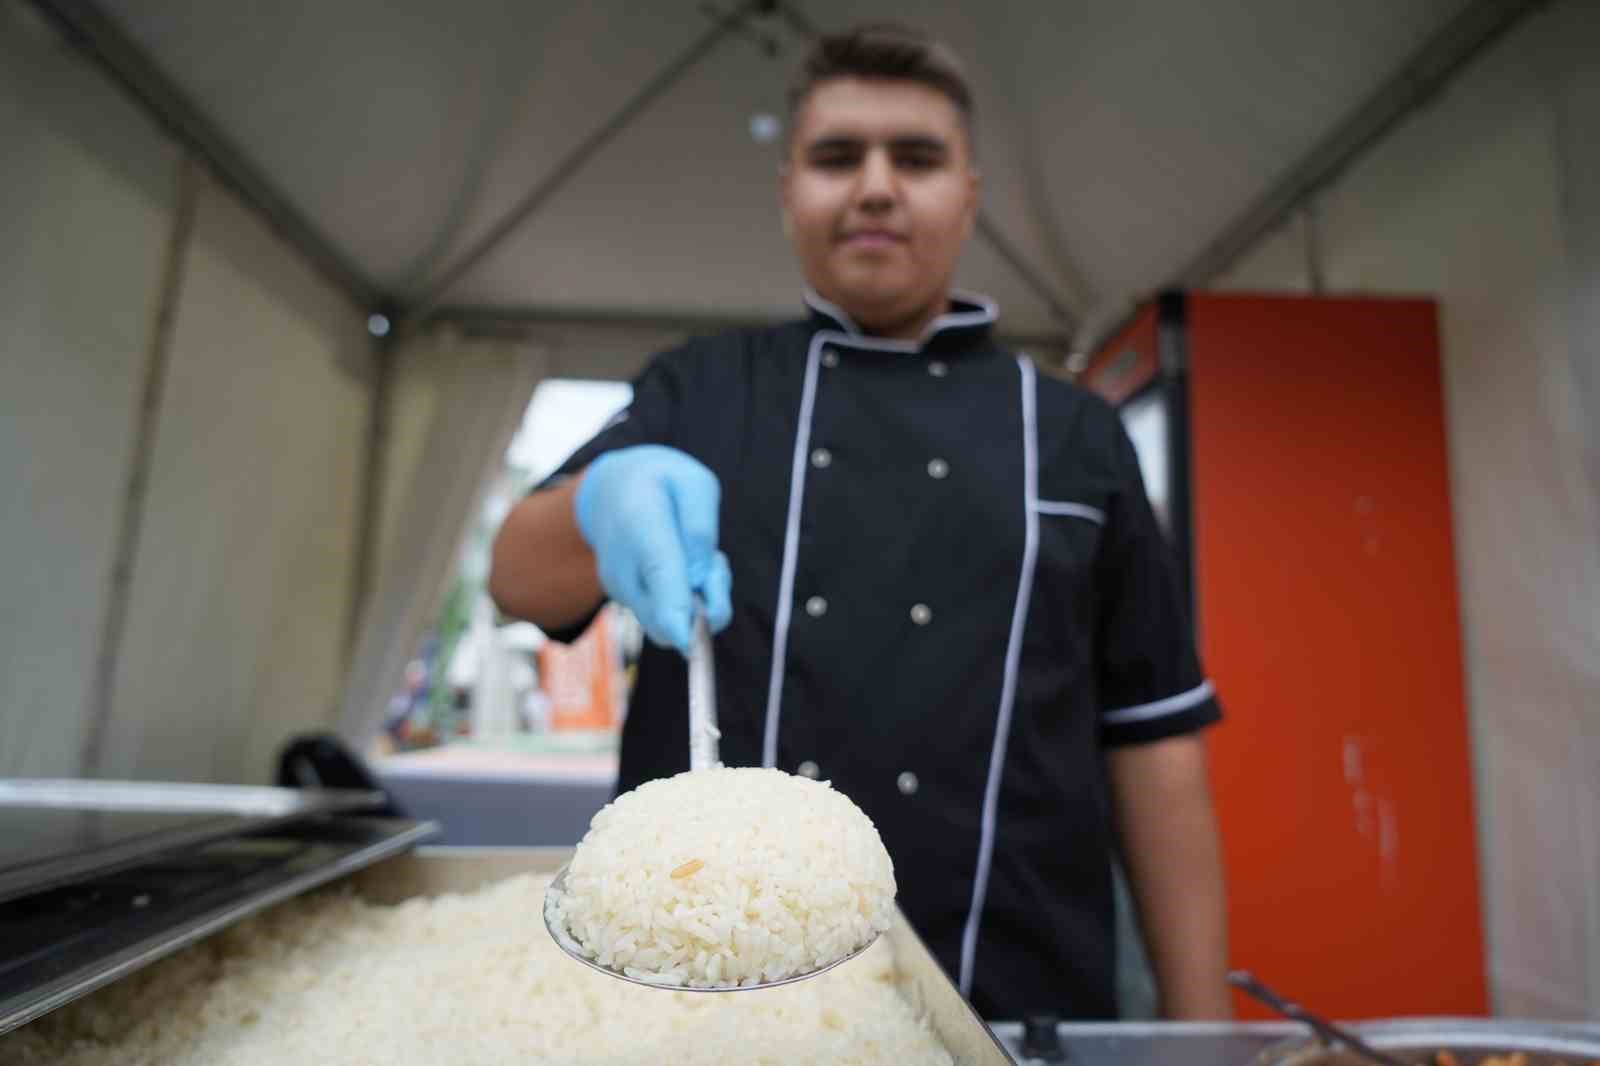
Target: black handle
321,760
1041,1039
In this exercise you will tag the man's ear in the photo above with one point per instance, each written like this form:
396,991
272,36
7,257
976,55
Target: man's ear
974,197
783,202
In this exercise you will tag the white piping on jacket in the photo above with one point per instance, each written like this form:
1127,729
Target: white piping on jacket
1075,510
985,311
1160,708
791,551
1008,689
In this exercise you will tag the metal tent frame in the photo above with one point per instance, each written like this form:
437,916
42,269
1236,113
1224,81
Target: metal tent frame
392,316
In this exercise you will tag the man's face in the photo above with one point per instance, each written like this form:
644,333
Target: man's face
879,195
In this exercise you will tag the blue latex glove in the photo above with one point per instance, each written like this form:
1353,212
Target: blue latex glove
650,514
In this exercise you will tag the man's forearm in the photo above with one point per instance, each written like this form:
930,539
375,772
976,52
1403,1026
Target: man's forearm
543,570
1174,861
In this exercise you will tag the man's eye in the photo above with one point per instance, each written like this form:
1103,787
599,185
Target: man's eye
917,161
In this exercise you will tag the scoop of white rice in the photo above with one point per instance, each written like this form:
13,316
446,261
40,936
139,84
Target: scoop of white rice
726,877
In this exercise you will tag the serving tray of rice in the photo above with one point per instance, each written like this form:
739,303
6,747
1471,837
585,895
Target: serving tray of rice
441,956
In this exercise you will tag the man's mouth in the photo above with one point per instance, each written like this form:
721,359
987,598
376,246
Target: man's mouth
872,238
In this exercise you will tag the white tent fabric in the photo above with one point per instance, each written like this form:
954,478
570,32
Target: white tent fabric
456,402
461,402
1116,138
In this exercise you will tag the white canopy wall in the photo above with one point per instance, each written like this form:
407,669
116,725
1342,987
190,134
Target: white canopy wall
82,169
234,608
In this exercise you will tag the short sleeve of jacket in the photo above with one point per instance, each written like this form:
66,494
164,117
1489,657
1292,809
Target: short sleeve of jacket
1149,678
648,419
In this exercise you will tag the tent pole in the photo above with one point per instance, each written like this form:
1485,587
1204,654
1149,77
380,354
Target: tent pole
374,469
1431,68
519,320
1445,55
103,42
990,231
420,304
135,487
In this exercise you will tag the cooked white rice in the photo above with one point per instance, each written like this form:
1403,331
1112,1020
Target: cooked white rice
461,980
726,877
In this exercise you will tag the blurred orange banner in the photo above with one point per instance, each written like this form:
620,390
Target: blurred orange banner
581,679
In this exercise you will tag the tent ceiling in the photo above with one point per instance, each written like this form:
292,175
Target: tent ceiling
1116,137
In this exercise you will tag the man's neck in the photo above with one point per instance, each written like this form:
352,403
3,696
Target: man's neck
912,327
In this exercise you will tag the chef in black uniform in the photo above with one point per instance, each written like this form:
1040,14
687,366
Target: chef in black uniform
935,576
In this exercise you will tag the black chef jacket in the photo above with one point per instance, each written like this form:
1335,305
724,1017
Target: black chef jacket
950,596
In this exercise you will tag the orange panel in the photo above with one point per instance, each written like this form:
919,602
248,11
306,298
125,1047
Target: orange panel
1125,363
1327,585
581,679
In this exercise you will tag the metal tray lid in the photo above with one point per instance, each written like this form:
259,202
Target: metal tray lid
55,830
70,939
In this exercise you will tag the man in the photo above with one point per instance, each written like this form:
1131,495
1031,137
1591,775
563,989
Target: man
934,574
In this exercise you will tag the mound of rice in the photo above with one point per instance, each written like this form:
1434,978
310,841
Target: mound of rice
460,980
726,877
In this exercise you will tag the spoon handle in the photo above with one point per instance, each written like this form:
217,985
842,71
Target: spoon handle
1247,982
703,734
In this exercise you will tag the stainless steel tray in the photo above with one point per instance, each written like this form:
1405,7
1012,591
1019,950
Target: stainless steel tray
431,871
54,831
1413,1040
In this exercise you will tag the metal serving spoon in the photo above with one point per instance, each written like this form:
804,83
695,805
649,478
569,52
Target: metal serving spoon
1334,1034
703,755
703,732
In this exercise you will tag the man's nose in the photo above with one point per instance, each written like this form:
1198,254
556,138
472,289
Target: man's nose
876,189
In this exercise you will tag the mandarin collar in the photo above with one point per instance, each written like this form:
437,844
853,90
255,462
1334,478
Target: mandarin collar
966,324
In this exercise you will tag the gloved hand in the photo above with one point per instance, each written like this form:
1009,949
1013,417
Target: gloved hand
650,514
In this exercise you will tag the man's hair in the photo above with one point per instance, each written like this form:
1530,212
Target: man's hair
884,51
